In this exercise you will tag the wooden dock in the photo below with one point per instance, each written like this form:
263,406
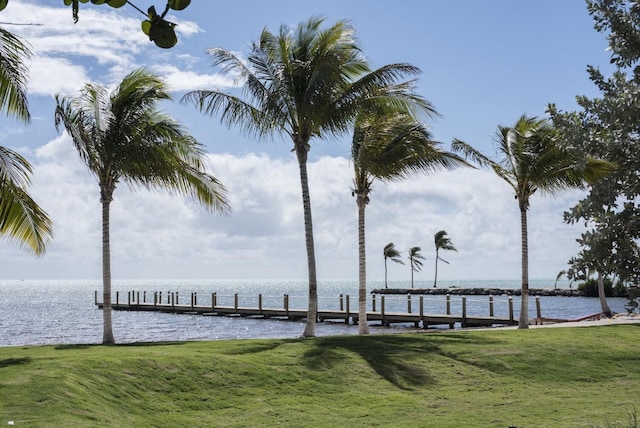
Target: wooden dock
137,301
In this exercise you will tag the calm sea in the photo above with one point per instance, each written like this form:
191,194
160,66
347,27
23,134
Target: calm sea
36,312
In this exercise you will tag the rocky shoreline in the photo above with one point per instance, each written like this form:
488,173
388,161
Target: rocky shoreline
564,292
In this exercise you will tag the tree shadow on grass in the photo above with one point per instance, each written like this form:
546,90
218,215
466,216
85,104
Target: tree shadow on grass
389,356
7,362
402,360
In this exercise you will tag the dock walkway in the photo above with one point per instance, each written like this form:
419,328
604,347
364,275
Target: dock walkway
137,301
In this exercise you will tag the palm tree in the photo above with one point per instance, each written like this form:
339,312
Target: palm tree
21,218
414,261
532,159
388,146
390,252
122,136
443,242
302,83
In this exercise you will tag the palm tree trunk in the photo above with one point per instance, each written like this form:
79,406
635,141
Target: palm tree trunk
107,332
411,273
523,321
312,313
385,272
363,325
606,311
435,278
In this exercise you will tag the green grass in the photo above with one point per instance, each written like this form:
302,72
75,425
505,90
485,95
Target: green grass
565,377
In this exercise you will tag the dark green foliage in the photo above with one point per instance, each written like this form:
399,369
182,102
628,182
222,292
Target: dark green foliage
589,288
609,127
160,31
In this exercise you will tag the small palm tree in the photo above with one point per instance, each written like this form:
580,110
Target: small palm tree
414,261
442,242
389,145
390,252
122,136
304,83
532,159
21,218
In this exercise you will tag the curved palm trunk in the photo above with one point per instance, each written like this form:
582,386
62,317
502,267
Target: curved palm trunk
523,321
312,314
107,333
435,278
606,311
363,325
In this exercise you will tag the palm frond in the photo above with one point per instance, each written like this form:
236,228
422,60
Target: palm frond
13,75
22,220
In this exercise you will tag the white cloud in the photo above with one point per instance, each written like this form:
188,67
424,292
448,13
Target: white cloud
188,80
156,235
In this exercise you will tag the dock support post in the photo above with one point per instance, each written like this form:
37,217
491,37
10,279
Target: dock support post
422,312
160,297
129,298
373,303
173,300
260,302
286,304
382,310
117,298
235,302
192,300
214,297
491,306
195,298
95,297
177,298
538,310
448,304
464,311
144,296
138,298
409,303
511,309
155,299
346,319
341,303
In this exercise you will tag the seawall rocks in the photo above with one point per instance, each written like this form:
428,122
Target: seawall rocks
562,292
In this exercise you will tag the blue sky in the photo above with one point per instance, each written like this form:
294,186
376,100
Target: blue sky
483,64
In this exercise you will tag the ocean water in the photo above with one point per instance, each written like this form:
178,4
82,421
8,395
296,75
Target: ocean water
37,312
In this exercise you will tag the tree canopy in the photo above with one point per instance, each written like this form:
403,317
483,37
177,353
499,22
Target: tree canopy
609,127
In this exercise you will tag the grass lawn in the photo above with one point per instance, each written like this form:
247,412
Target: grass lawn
563,377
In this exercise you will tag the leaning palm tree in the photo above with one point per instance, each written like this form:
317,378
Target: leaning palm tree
390,252
414,261
532,159
389,146
21,218
122,136
442,242
305,83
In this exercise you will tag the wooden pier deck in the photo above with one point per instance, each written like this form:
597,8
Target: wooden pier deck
343,312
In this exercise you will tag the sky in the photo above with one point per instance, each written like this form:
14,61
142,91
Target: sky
484,64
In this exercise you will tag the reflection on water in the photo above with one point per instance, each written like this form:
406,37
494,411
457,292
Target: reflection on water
63,312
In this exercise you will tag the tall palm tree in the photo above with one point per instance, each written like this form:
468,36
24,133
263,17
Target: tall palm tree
388,146
532,159
21,218
390,252
442,242
414,261
122,136
304,83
